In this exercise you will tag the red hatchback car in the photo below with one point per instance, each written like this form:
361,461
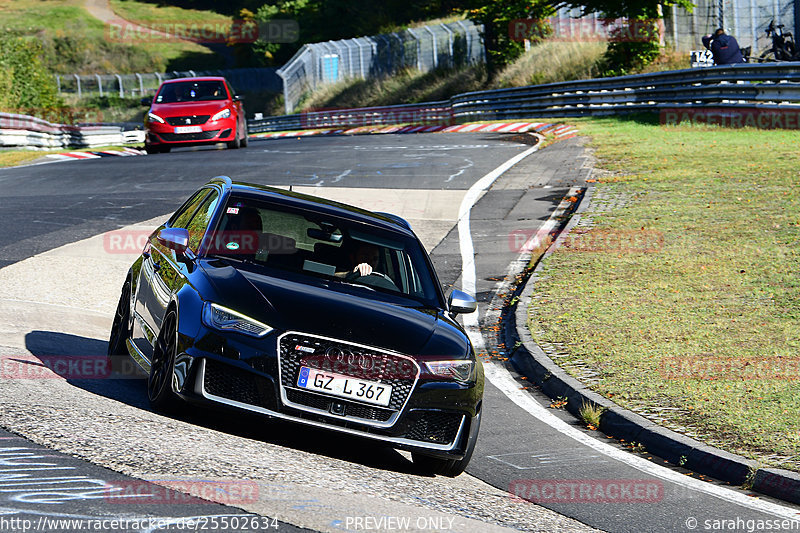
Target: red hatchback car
194,111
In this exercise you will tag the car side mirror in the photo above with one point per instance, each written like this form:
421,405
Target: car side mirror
175,239
238,98
147,101
461,303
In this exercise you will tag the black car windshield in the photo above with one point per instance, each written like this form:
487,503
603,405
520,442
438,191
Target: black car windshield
265,236
191,91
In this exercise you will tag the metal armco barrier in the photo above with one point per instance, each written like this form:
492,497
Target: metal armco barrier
31,132
737,85
768,86
428,113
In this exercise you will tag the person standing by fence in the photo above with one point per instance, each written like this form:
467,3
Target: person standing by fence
724,47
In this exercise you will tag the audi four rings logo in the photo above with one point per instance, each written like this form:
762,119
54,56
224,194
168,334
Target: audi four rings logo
338,355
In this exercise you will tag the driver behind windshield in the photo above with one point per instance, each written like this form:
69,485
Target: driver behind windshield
365,257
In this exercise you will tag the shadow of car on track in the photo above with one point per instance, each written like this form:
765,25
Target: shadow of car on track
83,363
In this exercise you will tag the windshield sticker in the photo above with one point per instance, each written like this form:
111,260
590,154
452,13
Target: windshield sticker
232,246
233,211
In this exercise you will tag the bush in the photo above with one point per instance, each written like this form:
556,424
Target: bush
26,85
631,52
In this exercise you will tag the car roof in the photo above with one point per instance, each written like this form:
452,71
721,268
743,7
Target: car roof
322,205
200,78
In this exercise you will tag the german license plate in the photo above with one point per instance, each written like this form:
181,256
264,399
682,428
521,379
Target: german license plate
188,129
344,386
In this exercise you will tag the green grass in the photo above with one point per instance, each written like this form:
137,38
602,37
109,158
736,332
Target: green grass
76,42
720,210
554,61
10,158
148,14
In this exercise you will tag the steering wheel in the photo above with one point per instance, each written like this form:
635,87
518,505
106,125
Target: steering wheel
379,279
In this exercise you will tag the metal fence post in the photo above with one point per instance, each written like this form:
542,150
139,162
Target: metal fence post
58,83
99,84
141,84
450,44
435,50
468,38
419,48
121,89
78,80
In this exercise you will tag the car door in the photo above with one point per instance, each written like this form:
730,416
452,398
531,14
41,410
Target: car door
151,290
237,107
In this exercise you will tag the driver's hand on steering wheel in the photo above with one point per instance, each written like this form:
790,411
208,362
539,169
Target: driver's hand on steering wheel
363,269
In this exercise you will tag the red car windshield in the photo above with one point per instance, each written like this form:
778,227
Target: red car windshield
191,91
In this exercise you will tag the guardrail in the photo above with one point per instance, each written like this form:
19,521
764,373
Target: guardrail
758,85
31,132
735,85
427,113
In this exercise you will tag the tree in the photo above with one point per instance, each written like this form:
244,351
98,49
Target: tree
496,17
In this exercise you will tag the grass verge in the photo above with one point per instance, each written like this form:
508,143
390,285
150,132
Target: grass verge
683,304
148,14
11,157
76,42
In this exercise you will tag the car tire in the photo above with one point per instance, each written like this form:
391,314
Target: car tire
159,380
151,149
164,149
448,467
245,138
120,330
235,143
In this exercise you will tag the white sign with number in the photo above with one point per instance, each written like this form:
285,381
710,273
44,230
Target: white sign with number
702,58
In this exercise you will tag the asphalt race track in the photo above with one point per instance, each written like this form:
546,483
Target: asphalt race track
59,283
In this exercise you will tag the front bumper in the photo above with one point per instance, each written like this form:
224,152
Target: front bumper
234,371
223,130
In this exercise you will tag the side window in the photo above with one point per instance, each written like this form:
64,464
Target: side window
199,223
181,218
231,90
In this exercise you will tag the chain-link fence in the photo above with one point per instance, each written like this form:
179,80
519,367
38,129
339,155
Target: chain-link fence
424,48
744,19
135,85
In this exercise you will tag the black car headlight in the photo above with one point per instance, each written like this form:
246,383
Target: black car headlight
218,317
460,370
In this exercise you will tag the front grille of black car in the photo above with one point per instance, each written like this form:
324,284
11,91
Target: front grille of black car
202,136
398,371
227,381
318,401
434,426
187,121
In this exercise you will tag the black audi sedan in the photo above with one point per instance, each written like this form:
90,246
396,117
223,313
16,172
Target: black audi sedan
307,310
